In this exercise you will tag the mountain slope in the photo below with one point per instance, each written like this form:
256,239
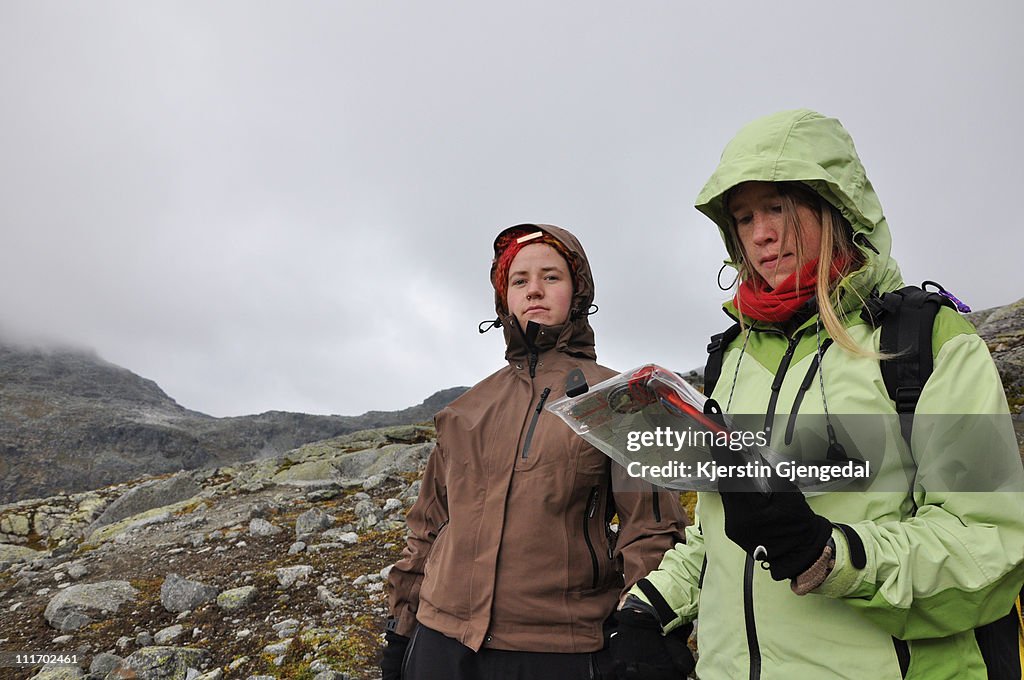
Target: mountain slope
70,422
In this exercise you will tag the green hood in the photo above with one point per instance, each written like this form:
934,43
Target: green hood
806,146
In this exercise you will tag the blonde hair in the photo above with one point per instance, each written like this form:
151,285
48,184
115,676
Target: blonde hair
835,248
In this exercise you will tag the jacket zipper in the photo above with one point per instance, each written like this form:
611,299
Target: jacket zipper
753,648
780,376
595,494
804,386
657,503
533,422
610,536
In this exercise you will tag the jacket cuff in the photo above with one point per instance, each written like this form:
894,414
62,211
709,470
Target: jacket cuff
647,592
845,576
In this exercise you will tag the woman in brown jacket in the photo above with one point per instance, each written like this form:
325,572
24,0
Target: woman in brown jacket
512,565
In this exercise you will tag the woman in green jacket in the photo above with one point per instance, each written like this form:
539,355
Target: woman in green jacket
888,579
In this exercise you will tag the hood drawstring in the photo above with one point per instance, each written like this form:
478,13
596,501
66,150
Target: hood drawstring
577,313
718,279
486,325
736,373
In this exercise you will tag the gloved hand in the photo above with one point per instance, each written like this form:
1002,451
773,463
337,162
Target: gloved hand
393,655
791,535
641,652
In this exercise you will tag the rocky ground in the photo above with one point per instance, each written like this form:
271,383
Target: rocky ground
272,568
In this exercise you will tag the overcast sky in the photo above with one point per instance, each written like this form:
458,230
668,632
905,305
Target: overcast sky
291,205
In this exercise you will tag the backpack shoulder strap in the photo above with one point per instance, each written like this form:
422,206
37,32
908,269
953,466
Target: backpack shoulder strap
716,354
906,316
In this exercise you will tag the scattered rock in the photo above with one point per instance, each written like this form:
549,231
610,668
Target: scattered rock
278,648
368,514
330,675
286,628
103,663
59,673
261,527
77,570
215,674
173,663
311,522
236,599
169,634
328,598
340,536
374,481
289,576
179,594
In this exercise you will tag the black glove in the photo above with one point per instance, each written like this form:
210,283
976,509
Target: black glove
779,529
393,655
641,652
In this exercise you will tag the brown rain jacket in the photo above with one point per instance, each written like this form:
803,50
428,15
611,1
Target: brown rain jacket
509,542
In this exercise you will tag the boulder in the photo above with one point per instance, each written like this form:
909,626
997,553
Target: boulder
155,494
81,604
302,474
10,554
59,673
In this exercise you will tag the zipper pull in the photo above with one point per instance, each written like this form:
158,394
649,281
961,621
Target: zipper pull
594,495
543,398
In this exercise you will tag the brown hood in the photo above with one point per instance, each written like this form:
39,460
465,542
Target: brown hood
575,336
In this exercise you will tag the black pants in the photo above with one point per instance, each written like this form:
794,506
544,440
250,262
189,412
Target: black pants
433,656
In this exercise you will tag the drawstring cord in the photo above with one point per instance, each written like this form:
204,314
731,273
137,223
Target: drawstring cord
718,279
485,325
736,373
836,451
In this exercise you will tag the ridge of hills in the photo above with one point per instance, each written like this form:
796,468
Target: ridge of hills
70,422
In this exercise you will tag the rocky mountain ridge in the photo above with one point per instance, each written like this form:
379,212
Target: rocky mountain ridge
71,422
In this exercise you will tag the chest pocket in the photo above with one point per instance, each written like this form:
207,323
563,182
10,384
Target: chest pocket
547,443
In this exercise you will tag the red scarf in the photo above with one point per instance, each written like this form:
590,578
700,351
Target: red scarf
755,299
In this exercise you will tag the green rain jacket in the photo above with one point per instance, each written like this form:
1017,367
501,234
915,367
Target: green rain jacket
938,563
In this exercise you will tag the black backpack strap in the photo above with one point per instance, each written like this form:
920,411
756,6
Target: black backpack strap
906,316
716,354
